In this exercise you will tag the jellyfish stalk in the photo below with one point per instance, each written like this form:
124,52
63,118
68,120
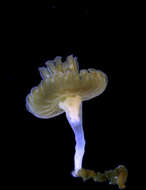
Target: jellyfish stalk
73,108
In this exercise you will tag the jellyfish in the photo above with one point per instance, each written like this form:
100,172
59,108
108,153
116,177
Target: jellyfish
63,88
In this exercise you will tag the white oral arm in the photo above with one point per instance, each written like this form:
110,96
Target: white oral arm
73,108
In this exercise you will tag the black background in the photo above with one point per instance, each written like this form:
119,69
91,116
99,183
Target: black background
40,152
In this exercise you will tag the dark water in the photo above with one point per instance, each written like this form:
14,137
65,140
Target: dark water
39,153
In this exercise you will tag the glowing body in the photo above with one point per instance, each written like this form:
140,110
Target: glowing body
63,89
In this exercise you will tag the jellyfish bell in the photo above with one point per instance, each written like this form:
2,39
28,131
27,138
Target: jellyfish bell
63,89
60,81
